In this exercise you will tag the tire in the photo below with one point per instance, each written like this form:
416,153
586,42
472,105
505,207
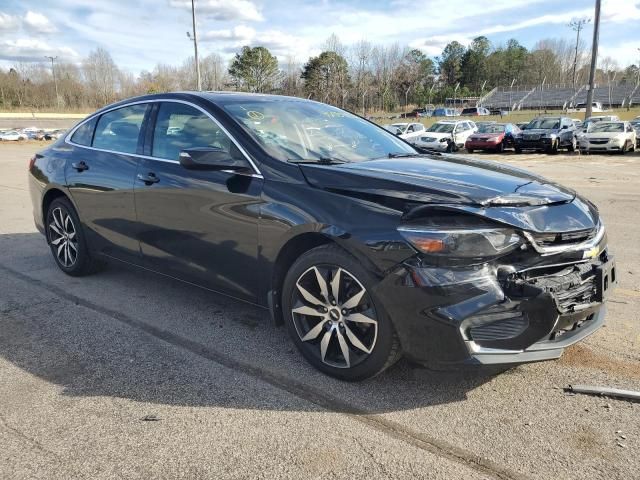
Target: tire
553,149
517,150
500,148
470,150
323,330
573,145
67,240
624,148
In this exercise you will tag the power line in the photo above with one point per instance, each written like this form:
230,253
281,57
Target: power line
195,44
594,60
55,80
577,26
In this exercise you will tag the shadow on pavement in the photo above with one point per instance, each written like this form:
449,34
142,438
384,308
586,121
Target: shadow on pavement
136,335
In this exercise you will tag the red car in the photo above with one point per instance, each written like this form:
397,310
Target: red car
492,136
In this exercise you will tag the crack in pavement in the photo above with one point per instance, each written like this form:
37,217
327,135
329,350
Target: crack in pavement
315,396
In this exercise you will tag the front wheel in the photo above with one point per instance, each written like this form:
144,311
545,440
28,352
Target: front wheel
333,317
553,149
67,240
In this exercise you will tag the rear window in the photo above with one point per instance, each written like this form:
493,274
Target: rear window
468,110
84,134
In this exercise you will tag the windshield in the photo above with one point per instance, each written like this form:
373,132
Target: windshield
607,127
544,123
303,130
441,128
491,128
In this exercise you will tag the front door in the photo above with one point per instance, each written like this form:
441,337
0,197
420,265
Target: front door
100,174
199,226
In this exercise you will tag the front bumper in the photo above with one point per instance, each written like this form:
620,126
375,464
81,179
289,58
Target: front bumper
542,143
480,145
496,314
436,146
600,147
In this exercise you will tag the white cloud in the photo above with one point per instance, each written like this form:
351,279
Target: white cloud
434,45
38,23
223,10
620,11
33,50
239,34
8,22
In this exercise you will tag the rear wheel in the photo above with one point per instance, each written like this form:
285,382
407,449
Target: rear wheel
333,317
67,240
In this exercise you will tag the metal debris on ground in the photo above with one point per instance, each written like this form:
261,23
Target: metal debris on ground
604,391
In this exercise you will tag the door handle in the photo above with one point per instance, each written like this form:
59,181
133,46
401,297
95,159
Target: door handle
149,178
80,166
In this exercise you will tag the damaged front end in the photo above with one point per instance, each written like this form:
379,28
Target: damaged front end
525,303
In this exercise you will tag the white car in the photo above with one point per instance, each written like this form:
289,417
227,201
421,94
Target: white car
446,135
407,131
582,107
608,137
12,136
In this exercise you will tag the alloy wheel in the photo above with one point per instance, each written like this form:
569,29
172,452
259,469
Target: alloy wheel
334,316
63,237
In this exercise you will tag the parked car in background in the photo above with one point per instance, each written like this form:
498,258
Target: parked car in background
577,123
445,112
548,134
415,113
12,136
474,111
619,137
54,135
499,111
495,136
446,135
406,131
636,126
363,248
582,107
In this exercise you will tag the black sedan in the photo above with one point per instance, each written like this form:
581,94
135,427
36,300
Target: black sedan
363,247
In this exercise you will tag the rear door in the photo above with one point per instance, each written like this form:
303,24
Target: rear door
199,226
100,175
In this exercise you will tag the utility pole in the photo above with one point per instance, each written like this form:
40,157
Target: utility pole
55,80
594,60
577,26
195,43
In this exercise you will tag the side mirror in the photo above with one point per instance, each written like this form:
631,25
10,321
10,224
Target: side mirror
211,159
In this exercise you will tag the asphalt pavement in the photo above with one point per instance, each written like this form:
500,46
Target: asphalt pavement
126,374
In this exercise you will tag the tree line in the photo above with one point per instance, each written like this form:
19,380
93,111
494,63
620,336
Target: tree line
362,77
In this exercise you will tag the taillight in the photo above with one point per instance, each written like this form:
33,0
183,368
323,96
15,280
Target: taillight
31,162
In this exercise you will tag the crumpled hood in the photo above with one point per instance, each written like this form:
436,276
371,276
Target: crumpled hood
500,192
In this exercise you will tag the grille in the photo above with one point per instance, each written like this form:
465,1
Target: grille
598,141
565,238
428,139
500,330
531,136
573,287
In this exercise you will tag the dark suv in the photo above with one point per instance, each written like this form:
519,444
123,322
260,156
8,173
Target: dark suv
548,134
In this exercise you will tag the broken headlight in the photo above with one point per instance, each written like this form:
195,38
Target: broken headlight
462,243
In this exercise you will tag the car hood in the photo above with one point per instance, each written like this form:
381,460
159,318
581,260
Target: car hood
503,193
481,136
436,134
539,131
604,134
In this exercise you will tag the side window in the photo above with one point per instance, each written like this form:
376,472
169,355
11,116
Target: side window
179,127
118,130
84,134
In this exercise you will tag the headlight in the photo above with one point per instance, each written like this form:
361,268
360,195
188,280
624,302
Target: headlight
461,243
443,140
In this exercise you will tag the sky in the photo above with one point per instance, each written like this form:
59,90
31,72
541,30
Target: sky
141,33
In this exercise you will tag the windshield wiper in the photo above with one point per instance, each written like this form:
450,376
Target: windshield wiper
405,155
319,161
